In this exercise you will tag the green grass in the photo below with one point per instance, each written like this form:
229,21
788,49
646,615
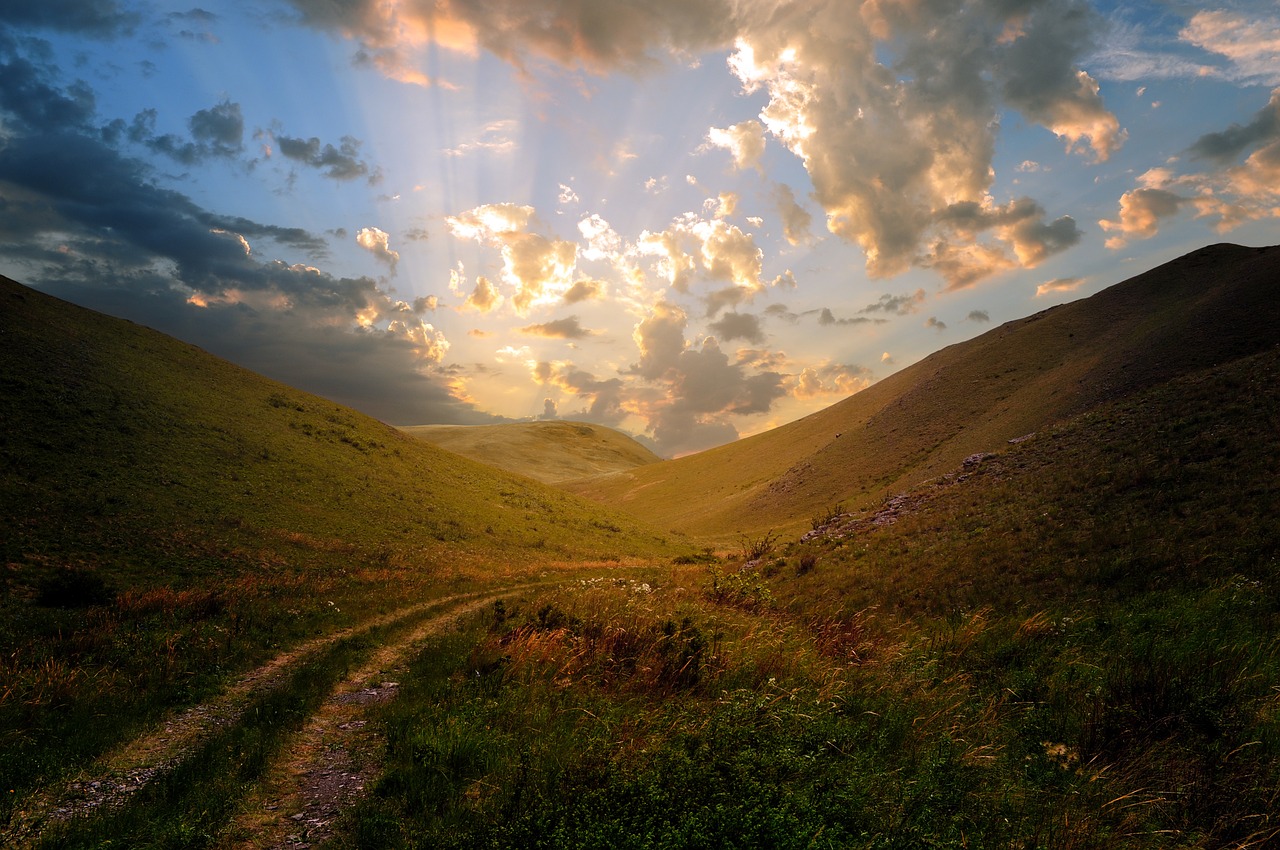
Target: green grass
1075,646
170,520
1210,307
551,452
1070,643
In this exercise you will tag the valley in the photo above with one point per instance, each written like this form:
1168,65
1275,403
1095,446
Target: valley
1025,593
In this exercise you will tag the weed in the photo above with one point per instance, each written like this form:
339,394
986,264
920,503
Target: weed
758,548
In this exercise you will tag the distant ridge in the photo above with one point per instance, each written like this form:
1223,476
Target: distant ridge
552,452
1209,307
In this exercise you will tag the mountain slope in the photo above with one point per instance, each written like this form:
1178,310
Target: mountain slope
119,441
1211,306
551,452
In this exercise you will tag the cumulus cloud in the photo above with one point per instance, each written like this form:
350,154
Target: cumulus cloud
567,328
797,223
483,298
376,242
603,398
1062,284
935,323
540,270
980,316
892,106
744,326
745,141
340,163
899,305
694,248
891,151
690,393
584,290
839,379
1229,193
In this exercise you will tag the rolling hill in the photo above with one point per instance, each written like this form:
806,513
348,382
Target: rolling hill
551,452
1209,307
121,441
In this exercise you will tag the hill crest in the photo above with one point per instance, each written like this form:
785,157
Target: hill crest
1208,307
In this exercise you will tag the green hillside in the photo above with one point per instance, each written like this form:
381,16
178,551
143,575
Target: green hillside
1068,643
551,452
119,439
1209,307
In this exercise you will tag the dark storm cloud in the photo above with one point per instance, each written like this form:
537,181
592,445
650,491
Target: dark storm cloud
96,18
1225,146
29,96
340,163
82,220
215,132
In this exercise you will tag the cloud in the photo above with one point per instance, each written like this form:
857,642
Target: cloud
743,326
95,18
1226,146
567,328
745,141
1250,43
797,223
899,305
826,318
375,241
340,163
1140,214
484,298
933,322
600,36
220,128
496,138
892,107
981,316
603,398
693,248
694,391
584,290
1229,193
840,379
539,269
1062,284
921,137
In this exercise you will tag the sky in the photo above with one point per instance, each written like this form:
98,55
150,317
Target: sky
692,220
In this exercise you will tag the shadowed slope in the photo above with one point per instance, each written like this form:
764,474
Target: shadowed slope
551,452
119,440
1211,306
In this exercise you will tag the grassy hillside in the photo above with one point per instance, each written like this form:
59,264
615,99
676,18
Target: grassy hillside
168,518
1209,307
1070,643
118,438
551,452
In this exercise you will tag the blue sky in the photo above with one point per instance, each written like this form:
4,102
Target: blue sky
689,219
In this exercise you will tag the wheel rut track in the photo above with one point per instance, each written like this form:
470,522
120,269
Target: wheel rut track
115,777
320,774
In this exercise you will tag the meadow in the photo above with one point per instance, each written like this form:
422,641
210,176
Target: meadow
236,615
